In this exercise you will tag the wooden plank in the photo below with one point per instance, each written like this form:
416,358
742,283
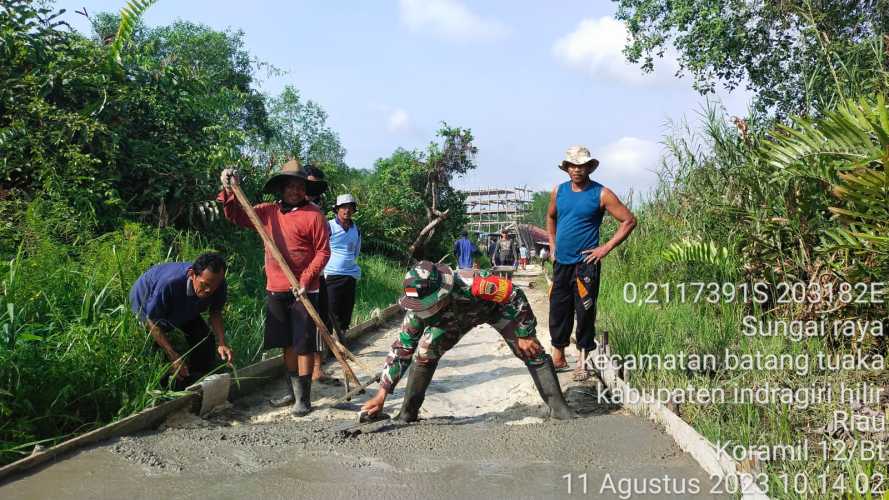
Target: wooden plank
145,419
362,328
250,378
256,375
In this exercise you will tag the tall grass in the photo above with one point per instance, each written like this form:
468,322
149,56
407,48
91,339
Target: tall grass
720,189
73,357
379,286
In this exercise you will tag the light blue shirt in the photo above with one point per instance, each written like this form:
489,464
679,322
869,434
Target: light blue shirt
344,249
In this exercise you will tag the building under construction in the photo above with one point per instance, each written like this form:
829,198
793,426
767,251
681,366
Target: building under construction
492,210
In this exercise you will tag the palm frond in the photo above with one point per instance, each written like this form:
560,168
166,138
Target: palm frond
702,252
853,134
848,148
129,19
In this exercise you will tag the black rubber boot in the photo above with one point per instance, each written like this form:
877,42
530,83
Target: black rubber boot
302,392
548,386
415,393
287,399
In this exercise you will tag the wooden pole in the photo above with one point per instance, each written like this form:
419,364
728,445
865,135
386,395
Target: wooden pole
338,350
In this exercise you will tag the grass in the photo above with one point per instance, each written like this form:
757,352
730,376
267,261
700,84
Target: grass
671,328
72,356
379,286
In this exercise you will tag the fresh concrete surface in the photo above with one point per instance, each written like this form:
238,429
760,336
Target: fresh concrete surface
485,435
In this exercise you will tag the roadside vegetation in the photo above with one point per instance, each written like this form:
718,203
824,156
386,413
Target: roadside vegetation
796,192
110,151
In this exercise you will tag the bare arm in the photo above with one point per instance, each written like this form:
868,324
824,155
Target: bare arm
551,223
218,327
627,223
157,333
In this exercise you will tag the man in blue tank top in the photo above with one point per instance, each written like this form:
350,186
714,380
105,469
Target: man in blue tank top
573,219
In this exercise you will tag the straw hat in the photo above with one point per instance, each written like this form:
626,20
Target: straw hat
292,170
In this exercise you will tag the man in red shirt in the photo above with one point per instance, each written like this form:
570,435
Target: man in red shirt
300,232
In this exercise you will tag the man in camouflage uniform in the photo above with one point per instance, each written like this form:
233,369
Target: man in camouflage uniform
440,311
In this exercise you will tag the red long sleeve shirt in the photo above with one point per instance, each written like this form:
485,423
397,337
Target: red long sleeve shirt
301,235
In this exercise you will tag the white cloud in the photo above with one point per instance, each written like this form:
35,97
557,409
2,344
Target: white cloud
449,19
629,164
399,121
396,120
596,46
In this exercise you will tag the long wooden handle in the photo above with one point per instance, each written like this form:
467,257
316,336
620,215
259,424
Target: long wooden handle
358,390
294,283
337,335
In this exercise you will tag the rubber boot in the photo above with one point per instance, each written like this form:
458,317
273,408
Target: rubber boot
302,392
547,384
287,399
415,393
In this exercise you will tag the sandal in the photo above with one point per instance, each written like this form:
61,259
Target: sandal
581,374
562,368
326,380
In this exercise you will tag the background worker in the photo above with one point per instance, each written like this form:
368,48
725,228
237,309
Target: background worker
492,248
342,271
463,250
301,234
523,256
314,173
505,250
173,296
573,220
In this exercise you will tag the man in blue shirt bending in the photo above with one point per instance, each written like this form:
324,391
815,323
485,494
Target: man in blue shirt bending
173,296
573,219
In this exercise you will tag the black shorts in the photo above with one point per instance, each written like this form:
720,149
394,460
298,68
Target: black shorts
287,324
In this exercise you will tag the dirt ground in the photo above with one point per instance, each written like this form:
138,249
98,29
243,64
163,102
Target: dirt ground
484,434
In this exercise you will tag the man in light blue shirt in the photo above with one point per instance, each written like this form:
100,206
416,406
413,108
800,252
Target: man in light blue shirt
342,271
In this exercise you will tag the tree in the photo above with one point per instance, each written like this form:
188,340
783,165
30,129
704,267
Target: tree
537,210
796,55
454,157
845,149
141,136
410,210
299,130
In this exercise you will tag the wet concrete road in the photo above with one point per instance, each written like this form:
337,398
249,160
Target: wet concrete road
484,435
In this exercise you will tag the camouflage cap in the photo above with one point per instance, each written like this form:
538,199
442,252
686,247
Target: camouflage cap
426,285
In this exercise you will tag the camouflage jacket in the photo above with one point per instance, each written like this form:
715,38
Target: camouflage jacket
441,331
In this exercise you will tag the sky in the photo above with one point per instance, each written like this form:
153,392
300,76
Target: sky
528,78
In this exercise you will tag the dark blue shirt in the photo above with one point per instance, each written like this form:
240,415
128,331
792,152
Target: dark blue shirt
463,249
578,217
166,296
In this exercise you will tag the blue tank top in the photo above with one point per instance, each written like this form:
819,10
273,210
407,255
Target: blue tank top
578,217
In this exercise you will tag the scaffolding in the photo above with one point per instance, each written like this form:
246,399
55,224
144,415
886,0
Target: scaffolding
491,210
